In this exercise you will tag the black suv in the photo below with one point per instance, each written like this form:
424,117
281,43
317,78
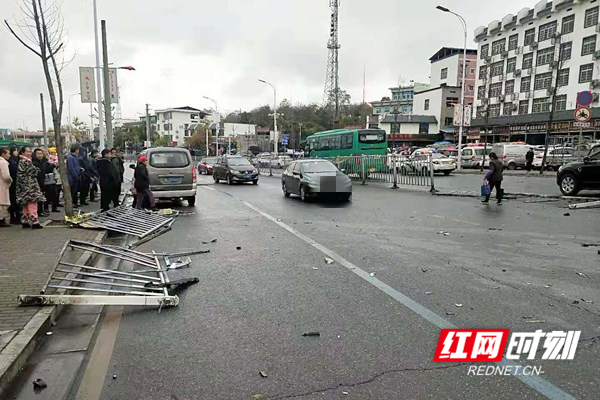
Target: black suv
574,176
234,169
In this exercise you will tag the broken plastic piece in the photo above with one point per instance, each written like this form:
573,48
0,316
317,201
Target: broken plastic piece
328,260
428,292
39,383
372,274
238,248
263,374
458,305
450,313
313,333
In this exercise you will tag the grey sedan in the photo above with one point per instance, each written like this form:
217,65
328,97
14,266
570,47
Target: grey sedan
313,178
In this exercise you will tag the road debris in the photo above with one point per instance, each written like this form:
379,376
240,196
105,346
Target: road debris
587,301
496,229
582,275
114,377
39,383
345,393
49,333
547,286
328,260
263,374
313,333
238,248
443,233
450,313
588,204
428,292
536,321
567,214
458,305
372,274
590,244
575,301
315,268
211,241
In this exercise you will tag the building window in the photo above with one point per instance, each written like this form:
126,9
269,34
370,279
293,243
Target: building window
484,51
565,51
497,68
586,72
511,65
444,73
563,77
528,60
448,121
541,105
591,17
523,107
510,87
513,42
426,105
387,110
529,36
481,112
546,31
378,111
481,92
494,110
451,101
525,84
589,45
568,24
471,88
483,72
498,46
166,127
560,102
496,89
542,81
545,56
423,127
507,110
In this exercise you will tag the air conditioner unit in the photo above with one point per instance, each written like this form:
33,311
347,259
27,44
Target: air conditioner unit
487,59
505,54
501,77
597,55
553,64
519,50
500,99
594,84
533,46
517,72
531,71
528,95
555,40
514,96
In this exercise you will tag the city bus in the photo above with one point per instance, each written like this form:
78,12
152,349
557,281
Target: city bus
344,145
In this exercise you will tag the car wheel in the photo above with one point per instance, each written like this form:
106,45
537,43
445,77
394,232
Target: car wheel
303,194
347,197
191,201
447,173
255,182
229,179
568,185
216,178
285,191
512,166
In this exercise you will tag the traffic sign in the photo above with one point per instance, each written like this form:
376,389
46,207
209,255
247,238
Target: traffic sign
585,98
583,114
285,139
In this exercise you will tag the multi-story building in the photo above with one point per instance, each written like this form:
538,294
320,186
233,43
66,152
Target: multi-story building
176,122
523,57
400,102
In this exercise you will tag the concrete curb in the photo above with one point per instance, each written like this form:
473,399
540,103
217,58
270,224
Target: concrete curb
506,173
17,352
506,195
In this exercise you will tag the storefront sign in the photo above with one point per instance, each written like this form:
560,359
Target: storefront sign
582,125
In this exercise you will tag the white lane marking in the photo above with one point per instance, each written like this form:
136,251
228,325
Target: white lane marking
535,382
206,187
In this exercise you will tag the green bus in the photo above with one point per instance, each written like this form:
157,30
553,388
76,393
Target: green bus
344,144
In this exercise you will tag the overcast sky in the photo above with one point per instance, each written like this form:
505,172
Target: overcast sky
183,50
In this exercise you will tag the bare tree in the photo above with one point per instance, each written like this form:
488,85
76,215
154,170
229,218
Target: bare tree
41,31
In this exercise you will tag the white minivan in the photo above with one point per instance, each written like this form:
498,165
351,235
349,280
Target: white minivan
512,155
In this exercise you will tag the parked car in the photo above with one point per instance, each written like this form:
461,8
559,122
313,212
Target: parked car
171,173
512,155
234,169
418,163
578,175
205,166
554,158
472,156
313,178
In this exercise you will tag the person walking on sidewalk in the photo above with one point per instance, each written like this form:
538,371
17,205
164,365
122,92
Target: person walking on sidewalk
74,173
29,193
529,160
41,163
5,181
118,164
85,178
108,179
494,178
52,191
13,165
142,185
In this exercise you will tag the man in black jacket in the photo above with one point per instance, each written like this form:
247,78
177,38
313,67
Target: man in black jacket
44,167
107,178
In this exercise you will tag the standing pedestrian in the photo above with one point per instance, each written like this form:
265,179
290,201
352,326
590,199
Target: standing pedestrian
85,178
494,177
108,179
118,164
94,155
52,191
5,182
529,160
29,193
144,195
59,186
13,165
41,163
74,173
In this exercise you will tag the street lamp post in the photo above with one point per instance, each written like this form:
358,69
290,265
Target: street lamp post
274,113
218,127
98,78
464,72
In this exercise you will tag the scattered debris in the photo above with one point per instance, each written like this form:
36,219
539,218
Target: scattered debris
428,292
258,397
345,393
588,204
575,301
211,241
496,229
372,274
328,260
39,383
536,321
424,269
587,301
238,248
503,270
315,268
547,286
450,313
527,316
590,244
567,214
49,333
582,274
313,333
458,305
114,377
263,374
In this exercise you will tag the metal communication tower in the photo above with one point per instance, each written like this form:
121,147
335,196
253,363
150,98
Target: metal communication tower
332,87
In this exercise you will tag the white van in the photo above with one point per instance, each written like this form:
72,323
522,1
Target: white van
472,156
512,155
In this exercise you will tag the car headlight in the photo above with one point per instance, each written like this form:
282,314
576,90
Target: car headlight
255,171
236,172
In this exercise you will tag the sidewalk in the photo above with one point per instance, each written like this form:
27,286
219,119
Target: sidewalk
28,256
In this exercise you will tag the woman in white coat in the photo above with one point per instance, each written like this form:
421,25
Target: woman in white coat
5,181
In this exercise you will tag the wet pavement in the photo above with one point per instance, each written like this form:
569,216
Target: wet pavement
513,266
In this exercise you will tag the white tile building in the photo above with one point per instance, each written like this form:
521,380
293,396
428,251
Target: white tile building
176,122
522,55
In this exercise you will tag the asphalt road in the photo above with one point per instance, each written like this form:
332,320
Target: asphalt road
253,304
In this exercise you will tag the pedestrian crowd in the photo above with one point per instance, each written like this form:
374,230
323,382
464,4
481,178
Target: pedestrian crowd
31,186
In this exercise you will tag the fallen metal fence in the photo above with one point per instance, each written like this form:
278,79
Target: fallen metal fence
149,286
128,220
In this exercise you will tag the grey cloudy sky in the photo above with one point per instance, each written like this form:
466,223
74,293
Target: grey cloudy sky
184,50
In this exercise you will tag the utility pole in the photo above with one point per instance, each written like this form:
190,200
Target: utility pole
148,138
46,142
91,123
98,80
107,111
